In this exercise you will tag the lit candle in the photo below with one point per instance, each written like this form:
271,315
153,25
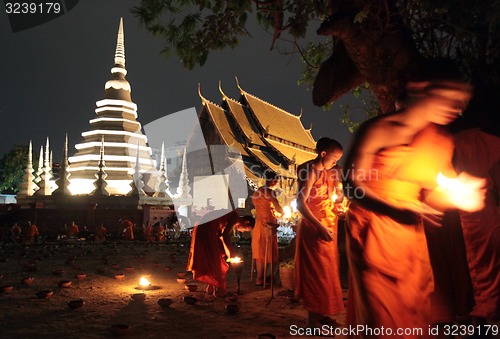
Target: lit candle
144,283
287,212
464,192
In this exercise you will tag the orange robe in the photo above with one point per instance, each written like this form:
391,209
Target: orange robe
160,233
390,273
478,153
31,233
264,210
206,254
129,230
317,261
100,234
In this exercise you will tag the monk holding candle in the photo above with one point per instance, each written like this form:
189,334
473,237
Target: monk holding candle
317,253
267,209
211,246
392,176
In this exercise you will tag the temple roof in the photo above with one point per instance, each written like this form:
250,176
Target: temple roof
221,123
279,124
238,112
267,160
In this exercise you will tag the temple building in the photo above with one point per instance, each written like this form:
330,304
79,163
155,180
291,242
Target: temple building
257,134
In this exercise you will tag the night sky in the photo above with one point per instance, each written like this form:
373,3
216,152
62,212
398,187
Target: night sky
53,74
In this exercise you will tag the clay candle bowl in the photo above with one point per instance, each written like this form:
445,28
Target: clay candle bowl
80,276
165,302
27,280
181,275
6,288
181,280
119,276
129,269
44,294
167,268
232,308
74,304
64,283
119,329
191,287
139,296
115,266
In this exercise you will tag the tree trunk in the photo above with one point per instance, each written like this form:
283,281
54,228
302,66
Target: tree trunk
377,49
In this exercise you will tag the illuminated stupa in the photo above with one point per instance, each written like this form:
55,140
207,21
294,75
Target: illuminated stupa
116,135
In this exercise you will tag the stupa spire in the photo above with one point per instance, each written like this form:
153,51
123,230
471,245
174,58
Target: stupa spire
44,183
184,189
100,184
28,187
63,180
137,184
120,47
163,178
39,170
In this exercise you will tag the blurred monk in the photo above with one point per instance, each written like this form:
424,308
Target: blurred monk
128,230
100,233
211,245
160,233
72,230
478,153
31,233
393,170
317,254
267,209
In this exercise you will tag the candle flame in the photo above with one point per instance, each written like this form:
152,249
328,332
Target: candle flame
144,282
287,212
235,260
334,197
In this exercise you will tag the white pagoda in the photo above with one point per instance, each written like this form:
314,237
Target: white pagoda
115,135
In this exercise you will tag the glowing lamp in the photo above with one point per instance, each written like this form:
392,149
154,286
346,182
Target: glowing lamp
236,264
293,205
144,283
287,212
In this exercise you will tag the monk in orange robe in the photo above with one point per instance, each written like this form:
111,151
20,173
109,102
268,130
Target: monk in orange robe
128,231
478,153
100,233
210,245
31,233
267,208
72,230
392,174
317,254
160,233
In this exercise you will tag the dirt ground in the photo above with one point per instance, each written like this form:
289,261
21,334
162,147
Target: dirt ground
108,300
